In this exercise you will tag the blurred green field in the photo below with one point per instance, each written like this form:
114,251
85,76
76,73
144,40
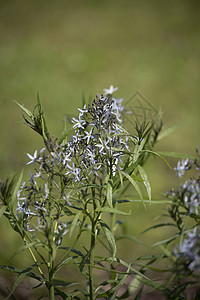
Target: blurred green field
67,49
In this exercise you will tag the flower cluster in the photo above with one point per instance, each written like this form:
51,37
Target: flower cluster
186,203
190,250
99,141
37,206
189,192
97,146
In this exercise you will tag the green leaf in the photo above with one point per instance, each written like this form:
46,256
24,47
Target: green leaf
64,135
109,188
67,296
15,284
134,284
132,238
17,186
132,287
158,226
167,132
85,260
16,270
177,155
64,262
146,181
24,109
58,282
79,253
74,222
135,185
110,238
171,238
22,274
114,290
45,132
63,295
159,155
66,210
30,245
103,284
144,279
116,285
43,124
112,210
120,176
10,269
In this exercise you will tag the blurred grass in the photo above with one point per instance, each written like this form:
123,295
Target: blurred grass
67,49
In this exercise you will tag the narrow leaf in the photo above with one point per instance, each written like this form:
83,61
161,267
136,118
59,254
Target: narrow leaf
171,238
17,186
21,275
167,132
120,176
63,295
132,287
135,185
103,284
79,253
177,155
112,210
16,270
109,188
58,282
74,223
64,262
115,289
159,155
15,284
110,238
132,238
43,124
64,135
158,226
146,181
24,109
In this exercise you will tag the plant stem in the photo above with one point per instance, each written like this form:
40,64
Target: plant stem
51,293
52,255
91,260
51,275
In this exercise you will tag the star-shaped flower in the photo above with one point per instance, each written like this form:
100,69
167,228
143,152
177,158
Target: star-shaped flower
33,159
111,90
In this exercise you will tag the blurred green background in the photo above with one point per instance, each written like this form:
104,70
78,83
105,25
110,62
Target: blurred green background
67,49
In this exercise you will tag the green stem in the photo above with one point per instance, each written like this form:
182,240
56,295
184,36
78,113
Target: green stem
51,276
91,261
51,268
51,293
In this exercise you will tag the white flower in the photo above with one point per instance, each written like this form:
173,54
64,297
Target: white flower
67,158
182,167
111,90
88,135
33,158
83,110
190,250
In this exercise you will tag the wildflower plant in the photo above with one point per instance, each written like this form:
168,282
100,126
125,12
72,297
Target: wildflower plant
74,191
178,255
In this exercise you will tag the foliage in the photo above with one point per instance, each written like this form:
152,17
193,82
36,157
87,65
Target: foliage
75,188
